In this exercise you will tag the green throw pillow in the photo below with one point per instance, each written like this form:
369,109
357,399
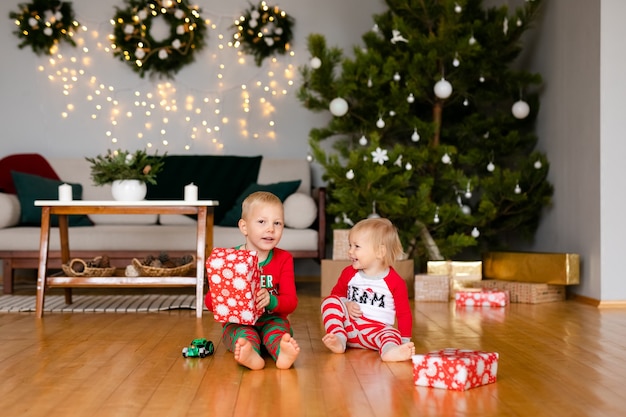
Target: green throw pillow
282,190
33,187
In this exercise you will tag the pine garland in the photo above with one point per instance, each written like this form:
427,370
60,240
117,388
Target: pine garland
133,43
263,31
42,24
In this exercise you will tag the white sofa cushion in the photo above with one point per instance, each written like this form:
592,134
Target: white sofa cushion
9,210
300,211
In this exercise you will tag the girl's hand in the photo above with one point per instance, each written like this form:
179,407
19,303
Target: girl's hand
354,310
262,298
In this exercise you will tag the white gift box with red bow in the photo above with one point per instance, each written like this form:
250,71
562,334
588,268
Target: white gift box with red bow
234,280
482,298
455,369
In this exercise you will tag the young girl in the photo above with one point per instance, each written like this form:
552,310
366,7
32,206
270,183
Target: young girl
369,296
262,225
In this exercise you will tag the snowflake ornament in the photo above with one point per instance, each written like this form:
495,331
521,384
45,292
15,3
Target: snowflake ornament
379,156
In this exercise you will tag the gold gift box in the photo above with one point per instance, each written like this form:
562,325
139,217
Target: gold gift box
547,268
462,274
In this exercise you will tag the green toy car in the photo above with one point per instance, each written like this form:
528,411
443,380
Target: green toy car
199,348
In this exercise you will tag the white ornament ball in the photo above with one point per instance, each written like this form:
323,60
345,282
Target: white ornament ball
142,14
408,166
47,31
538,164
180,30
278,31
338,107
446,159
363,141
491,167
163,54
350,175
458,8
396,77
410,98
456,62
253,23
475,233
269,41
443,89
32,22
380,123
176,44
129,29
392,113
415,137
140,53
468,194
467,210
315,62
520,109
179,14
518,189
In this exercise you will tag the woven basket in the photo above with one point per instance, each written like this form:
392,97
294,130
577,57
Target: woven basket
87,271
151,271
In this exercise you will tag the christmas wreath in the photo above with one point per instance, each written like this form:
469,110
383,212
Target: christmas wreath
42,24
133,42
263,31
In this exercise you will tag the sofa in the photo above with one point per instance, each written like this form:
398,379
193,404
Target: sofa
227,179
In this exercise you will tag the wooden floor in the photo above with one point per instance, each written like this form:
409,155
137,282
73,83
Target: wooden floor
556,359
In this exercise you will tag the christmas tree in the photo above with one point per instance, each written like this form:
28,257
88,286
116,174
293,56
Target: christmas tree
432,127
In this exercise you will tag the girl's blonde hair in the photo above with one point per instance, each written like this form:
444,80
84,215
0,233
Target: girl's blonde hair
258,197
381,232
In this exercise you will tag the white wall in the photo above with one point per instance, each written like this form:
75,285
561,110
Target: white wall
32,104
612,149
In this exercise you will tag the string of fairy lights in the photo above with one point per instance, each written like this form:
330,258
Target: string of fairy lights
152,112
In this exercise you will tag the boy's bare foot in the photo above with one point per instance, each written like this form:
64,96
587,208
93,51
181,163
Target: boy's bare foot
333,343
289,351
247,356
399,353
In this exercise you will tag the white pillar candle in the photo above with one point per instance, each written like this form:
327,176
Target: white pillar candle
191,192
65,192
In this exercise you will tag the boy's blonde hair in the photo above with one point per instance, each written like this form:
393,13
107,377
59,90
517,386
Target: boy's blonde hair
381,232
258,197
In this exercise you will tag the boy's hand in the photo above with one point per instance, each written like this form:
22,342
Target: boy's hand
262,298
354,310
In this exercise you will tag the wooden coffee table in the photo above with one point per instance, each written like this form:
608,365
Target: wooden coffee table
204,245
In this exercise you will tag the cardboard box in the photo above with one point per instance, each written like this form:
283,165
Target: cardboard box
331,270
455,369
526,292
341,244
234,279
463,274
482,298
432,288
547,268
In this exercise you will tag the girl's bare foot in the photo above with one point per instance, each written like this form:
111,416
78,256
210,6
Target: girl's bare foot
333,343
247,356
289,351
399,353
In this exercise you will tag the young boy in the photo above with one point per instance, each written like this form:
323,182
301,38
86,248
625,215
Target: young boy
262,222
369,296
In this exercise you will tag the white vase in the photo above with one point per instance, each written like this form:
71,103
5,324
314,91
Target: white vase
129,190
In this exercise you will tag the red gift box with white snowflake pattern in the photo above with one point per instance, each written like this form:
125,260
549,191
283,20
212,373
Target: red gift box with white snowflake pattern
482,298
234,280
455,369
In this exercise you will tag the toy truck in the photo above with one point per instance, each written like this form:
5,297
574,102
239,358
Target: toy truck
198,348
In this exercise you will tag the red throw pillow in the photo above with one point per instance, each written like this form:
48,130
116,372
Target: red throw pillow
29,163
